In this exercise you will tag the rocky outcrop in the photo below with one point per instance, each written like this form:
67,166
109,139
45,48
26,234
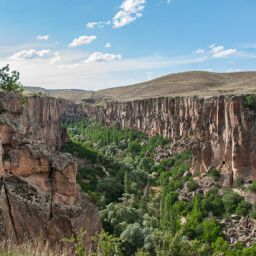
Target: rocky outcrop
240,229
219,130
39,195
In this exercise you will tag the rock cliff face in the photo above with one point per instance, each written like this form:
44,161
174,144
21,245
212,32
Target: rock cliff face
38,191
220,131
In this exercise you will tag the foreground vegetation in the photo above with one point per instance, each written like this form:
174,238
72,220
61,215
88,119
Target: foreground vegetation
138,195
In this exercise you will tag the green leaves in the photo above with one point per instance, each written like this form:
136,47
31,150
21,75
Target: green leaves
9,81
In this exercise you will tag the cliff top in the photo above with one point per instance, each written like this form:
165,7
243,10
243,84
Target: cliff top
193,83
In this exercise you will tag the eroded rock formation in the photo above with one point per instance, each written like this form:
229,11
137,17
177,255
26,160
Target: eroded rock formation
220,131
39,195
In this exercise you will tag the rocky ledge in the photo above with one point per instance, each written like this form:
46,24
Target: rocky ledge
39,195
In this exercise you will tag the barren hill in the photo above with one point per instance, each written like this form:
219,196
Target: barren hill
179,84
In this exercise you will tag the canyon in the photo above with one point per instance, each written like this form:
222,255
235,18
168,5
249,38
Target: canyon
38,190
219,130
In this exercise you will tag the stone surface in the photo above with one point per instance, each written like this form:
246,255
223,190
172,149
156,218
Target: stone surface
39,195
241,229
220,131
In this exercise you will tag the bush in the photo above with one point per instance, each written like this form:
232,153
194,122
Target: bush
213,202
192,185
252,187
243,208
9,81
134,148
210,230
214,173
250,101
231,200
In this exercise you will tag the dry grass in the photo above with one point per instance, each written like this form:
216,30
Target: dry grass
195,83
31,248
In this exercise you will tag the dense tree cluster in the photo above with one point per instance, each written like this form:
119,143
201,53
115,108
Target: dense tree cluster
138,197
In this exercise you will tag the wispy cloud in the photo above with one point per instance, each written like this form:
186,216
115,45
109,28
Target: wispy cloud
56,58
82,40
248,46
43,37
98,24
103,57
108,45
200,51
30,54
217,51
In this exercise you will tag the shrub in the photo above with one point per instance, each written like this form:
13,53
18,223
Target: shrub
214,173
213,202
243,208
231,201
192,185
134,148
250,101
210,230
9,81
252,187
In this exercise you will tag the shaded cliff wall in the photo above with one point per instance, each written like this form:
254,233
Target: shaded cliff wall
45,116
220,131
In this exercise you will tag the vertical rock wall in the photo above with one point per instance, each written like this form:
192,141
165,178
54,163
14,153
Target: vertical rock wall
220,131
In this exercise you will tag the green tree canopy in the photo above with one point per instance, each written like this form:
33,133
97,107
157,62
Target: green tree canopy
9,81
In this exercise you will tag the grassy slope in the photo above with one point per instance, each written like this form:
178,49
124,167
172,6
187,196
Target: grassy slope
180,84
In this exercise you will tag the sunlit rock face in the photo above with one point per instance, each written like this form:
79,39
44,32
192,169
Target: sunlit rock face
38,190
220,131
39,195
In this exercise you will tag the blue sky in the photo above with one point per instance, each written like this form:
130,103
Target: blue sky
105,43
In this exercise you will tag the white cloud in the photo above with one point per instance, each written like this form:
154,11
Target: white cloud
56,58
168,1
30,54
108,45
221,52
73,72
217,51
200,51
103,57
43,37
225,53
82,40
130,10
98,24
